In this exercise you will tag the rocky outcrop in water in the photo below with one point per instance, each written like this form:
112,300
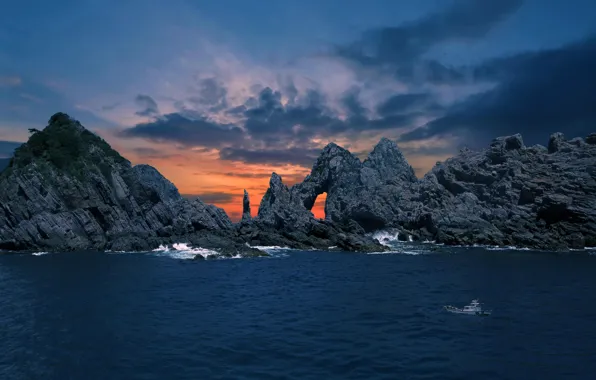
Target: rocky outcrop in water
508,194
282,220
246,215
67,189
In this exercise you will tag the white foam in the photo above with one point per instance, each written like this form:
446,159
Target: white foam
386,237
184,251
267,248
39,253
403,252
503,248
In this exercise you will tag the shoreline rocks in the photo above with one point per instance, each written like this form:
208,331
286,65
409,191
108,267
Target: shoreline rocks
66,189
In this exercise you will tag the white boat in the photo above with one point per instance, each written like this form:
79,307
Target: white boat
473,308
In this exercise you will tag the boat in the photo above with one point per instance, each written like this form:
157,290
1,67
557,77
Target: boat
474,308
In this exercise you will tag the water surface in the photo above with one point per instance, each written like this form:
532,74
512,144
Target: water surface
300,315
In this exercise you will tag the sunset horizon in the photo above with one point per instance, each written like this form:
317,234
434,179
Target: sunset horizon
217,101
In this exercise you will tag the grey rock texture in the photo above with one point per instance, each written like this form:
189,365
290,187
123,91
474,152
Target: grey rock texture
507,194
283,220
66,189
246,215
510,194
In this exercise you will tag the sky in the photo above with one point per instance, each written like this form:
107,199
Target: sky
219,94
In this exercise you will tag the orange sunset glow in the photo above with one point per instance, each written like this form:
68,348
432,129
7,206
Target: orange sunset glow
222,183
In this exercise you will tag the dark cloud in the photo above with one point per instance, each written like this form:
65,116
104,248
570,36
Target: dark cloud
7,148
293,156
403,103
266,127
353,105
152,153
109,107
186,131
238,175
210,93
310,117
403,47
148,104
288,178
539,93
211,197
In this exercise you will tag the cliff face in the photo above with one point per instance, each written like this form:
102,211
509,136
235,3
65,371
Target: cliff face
508,194
364,192
67,189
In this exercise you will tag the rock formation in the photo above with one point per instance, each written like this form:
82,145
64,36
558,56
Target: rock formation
246,215
67,189
508,194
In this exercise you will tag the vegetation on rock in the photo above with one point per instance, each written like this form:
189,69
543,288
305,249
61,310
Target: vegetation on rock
65,144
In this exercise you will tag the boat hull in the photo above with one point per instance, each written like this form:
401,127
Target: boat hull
456,310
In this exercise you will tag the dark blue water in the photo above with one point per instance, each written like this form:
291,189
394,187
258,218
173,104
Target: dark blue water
305,316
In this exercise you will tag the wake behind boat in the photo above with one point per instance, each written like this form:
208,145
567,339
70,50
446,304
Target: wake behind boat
473,308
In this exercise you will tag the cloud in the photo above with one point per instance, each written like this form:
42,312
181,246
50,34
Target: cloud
402,103
266,130
401,49
238,175
148,104
186,131
209,93
152,153
211,198
7,148
539,93
292,156
110,107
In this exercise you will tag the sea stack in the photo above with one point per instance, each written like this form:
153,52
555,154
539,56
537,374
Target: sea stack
246,217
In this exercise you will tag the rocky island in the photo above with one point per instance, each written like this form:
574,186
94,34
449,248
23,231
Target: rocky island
66,189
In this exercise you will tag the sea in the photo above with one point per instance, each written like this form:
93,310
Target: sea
298,314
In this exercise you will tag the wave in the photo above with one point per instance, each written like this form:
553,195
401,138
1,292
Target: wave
184,251
387,237
402,252
506,248
270,248
39,253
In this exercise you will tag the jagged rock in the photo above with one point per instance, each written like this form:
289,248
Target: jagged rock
533,197
246,215
556,142
358,191
67,189
508,194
